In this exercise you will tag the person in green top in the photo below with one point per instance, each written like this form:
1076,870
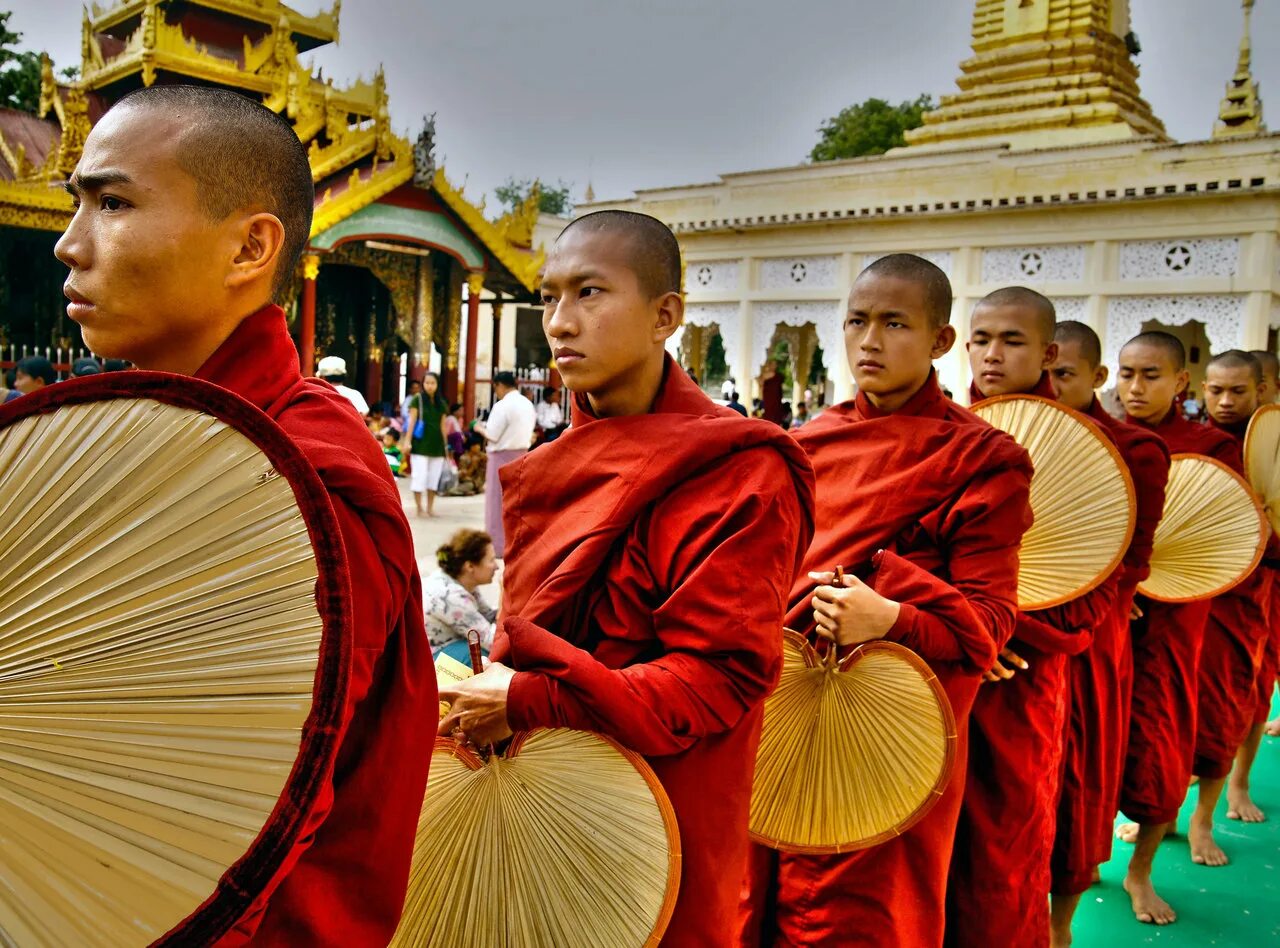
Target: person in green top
426,446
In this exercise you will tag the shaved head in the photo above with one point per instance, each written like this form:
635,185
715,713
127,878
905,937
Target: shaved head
928,276
1046,317
1167,342
654,251
1270,364
243,157
1073,331
1237,359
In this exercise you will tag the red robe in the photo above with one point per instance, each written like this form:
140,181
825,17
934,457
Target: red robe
1166,660
1000,873
344,882
1231,660
649,559
929,504
1270,670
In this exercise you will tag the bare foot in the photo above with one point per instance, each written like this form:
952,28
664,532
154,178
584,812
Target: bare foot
1147,906
1205,850
1241,807
1097,875
1273,728
1127,832
1059,939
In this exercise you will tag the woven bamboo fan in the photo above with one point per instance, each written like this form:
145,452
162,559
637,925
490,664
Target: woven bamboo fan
1211,536
1081,495
564,840
852,753
1262,460
160,644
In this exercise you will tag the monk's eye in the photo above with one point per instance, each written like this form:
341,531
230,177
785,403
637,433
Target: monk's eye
548,299
588,291
109,203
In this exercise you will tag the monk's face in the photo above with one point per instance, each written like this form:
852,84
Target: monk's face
1074,377
1007,354
1149,381
149,268
1270,389
1230,394
603,326
890,338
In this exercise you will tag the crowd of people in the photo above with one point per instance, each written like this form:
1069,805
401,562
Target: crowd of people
32,373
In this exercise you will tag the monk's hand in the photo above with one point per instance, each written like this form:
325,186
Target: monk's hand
852,613
478,706
1007,665
1135,611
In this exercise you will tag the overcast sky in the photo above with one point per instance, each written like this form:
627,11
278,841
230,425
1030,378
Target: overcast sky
645,93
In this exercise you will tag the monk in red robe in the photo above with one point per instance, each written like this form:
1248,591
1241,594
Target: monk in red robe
1240,805
1167,640
650,549
926,505
1100,678
998,892
193,206
1237,634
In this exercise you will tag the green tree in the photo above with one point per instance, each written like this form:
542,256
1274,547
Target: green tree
19,71
552,200
869,128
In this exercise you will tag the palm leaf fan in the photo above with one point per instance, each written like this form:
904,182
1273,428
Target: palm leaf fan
563,840
170,609
1211,536
1082,499
1262,460
852,752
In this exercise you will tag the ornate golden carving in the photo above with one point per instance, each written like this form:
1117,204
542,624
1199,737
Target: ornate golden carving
524,267
475,283
516,226
454,316
1241,110
310,266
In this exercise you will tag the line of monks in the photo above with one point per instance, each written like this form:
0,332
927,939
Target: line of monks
645,590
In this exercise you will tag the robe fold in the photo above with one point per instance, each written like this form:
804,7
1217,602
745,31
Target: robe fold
1236,638
345,880
1167,643
648,564
1270,670
1000,869
1100,680
928,504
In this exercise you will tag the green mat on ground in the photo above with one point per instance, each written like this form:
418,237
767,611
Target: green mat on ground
1237,906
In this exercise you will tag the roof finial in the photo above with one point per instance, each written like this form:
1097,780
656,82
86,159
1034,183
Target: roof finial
1241,110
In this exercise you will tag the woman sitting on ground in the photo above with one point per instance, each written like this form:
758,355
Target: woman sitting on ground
451,601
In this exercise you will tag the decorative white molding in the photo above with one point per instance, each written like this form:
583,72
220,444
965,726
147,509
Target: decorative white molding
1180,259
939,258
827,317
725,318
792,273
712,276
1053,263
1222,315
1071,307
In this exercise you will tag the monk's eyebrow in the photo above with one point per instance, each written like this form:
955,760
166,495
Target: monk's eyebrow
95,181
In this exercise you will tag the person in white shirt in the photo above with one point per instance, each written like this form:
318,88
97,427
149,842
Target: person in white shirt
550,415
333,369
509,433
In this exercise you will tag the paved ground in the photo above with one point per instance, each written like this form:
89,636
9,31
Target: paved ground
452,513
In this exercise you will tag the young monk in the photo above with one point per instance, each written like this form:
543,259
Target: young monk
999,886
650,549
193,206
925,505
1101,677
1167,639
1237,634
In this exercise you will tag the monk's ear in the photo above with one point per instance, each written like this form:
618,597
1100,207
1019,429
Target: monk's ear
261,237
1181,381
1050,355
943,339
1100,376
669,316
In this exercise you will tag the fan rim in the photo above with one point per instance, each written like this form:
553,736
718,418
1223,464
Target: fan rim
1250,439
1263,534
243,881
467,755
1126,476
951,741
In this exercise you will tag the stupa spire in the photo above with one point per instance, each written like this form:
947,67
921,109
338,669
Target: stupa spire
1241,109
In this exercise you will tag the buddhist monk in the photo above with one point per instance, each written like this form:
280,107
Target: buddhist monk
650,549
998,892
193,206
1167,639
1100,678
925,505
1240,805
1237,636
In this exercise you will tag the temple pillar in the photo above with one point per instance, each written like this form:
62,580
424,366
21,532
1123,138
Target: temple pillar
475,283
307,321
496,344
452,329
420,335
